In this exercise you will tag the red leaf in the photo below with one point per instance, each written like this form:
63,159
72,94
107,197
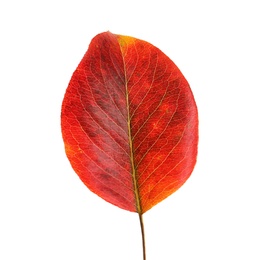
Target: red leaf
129,123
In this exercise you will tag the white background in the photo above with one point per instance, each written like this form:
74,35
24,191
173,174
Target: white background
45,210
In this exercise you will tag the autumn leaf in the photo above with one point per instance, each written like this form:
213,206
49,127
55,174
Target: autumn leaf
129,123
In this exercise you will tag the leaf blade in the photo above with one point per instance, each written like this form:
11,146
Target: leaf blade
129,122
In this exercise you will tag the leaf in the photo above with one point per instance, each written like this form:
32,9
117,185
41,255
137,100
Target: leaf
129,123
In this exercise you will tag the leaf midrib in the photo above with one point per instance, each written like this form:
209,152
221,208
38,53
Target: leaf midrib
133,170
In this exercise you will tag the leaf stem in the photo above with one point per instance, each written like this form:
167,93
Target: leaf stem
143,235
